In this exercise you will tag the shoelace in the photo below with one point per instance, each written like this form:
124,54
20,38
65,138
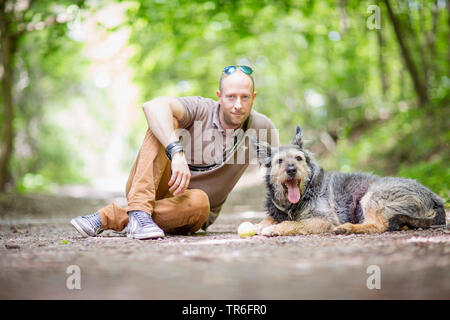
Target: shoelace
94,219
143,218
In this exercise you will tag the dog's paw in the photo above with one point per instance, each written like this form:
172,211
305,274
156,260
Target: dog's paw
271,231
259,228
345,228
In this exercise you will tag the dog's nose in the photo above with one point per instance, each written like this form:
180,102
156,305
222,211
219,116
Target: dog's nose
291,170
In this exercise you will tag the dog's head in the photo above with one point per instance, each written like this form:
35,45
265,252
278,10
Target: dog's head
288,169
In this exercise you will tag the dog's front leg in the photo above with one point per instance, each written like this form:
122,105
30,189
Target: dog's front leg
292,228
268,221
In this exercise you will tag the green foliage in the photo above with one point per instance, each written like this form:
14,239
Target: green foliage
435,175
49,71
57,162
409,144
316,64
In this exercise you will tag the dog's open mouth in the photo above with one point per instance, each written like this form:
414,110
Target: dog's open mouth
293,191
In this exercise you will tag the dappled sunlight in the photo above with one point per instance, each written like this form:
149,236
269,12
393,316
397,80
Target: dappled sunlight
109,71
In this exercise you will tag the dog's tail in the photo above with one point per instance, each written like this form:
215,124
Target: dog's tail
438,207
436,218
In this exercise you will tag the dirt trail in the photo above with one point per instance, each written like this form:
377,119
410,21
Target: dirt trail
37,245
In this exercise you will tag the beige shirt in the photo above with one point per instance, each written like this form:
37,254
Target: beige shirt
206,143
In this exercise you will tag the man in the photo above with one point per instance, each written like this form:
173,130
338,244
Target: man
178,187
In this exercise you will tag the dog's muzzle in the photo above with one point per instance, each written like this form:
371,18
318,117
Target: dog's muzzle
291,170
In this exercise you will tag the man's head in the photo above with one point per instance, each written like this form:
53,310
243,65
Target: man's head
235,95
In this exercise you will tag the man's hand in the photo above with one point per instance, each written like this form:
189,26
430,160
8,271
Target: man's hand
179,181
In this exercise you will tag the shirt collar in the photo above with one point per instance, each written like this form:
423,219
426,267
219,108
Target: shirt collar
216,120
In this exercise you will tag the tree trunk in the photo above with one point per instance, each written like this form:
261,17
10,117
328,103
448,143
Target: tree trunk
421,37
432,34
382,65
419,83
344,17
7,132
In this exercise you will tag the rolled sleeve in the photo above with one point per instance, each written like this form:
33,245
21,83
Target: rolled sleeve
194,109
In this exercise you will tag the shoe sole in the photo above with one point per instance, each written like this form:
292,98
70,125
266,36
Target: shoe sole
146,236
79,229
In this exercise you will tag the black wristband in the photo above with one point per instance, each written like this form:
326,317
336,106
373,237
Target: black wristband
173,148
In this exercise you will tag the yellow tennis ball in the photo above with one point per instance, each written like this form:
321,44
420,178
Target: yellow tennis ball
246,229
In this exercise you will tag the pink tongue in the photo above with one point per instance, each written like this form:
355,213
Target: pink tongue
293,191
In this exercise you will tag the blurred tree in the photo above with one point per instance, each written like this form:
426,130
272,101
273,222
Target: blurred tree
19,21
419,75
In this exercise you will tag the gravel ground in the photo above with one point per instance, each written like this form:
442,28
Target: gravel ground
37,245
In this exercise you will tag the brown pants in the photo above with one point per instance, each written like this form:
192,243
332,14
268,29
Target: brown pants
148,190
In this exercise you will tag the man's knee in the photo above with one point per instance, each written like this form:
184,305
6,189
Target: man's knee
200,201
200,206
196,209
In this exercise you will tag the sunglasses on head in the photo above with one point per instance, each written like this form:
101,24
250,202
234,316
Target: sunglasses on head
244,69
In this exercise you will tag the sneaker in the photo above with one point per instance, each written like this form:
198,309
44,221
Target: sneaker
141,226
88,226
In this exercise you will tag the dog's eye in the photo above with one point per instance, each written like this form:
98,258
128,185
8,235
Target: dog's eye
280,161
298,158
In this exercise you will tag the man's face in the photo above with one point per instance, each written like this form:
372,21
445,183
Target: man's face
236,100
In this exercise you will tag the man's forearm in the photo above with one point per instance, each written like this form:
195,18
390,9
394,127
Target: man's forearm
160,113
159,117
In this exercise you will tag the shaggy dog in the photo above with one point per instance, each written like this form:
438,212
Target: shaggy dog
304,199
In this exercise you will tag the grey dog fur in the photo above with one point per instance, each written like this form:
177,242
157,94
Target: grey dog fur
343,197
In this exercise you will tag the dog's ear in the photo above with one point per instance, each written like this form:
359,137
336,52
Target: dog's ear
298,137
263,151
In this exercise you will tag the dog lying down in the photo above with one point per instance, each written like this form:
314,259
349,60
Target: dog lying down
304,199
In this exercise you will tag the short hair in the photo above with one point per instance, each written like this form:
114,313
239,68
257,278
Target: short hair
224,75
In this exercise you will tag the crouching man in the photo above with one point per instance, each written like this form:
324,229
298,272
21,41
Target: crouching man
179,186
